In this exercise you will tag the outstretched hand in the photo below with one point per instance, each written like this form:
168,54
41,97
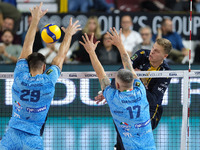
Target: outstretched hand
115,37
72,28
88,44
37,12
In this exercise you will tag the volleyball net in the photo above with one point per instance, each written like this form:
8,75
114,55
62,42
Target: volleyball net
75,121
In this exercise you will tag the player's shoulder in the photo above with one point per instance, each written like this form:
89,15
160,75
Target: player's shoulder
22,61
165,66
52,73
109,90
53,69
138,84
144,52
141,54
21,66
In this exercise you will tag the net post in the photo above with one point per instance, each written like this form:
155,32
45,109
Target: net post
184,112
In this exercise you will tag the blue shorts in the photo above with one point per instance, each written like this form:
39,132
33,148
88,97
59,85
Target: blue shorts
18,140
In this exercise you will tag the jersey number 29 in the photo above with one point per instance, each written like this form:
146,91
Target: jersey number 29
32,96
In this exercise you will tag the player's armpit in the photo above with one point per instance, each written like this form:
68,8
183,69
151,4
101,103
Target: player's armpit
104,82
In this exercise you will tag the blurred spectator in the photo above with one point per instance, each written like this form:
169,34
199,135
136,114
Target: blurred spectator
9,11
8,51
180,5
147,43
87,5
154,5
130,38
197,5
79,5
106,52
8,23
179,51
50,51
13,2
103,5
38,43
170,3
92,26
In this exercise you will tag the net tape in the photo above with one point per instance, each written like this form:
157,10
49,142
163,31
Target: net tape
111,74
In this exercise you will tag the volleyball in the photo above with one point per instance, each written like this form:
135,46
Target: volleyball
50,33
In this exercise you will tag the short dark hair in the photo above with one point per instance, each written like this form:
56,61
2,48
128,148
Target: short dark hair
9,18
126,76
7,30
35,61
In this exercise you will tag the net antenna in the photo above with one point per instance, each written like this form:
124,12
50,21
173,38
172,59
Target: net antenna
189,70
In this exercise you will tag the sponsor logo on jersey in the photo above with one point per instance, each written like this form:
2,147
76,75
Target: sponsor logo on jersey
131,101
134,57
127,134
125,126
17,106
118,112
49,71
163,85
142,52
16,102
140,125
137,84
161,89
34,84
16,115
36,110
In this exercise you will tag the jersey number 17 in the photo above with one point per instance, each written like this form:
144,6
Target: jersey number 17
130,109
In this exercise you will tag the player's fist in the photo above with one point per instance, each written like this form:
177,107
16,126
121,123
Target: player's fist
100,98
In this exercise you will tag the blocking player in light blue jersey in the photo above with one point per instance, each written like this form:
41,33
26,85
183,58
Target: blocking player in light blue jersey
33,89
128,103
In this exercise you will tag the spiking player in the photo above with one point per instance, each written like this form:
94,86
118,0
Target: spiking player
33,89
128,103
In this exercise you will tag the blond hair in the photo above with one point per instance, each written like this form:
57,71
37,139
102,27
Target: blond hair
166,44
97,32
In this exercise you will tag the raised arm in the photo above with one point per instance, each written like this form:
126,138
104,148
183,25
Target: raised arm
90,48
37,14
64,47
116,40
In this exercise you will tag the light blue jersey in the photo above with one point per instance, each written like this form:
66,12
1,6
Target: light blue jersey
130,112
31,97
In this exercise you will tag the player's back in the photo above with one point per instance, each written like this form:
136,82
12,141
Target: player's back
130,111
31,97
